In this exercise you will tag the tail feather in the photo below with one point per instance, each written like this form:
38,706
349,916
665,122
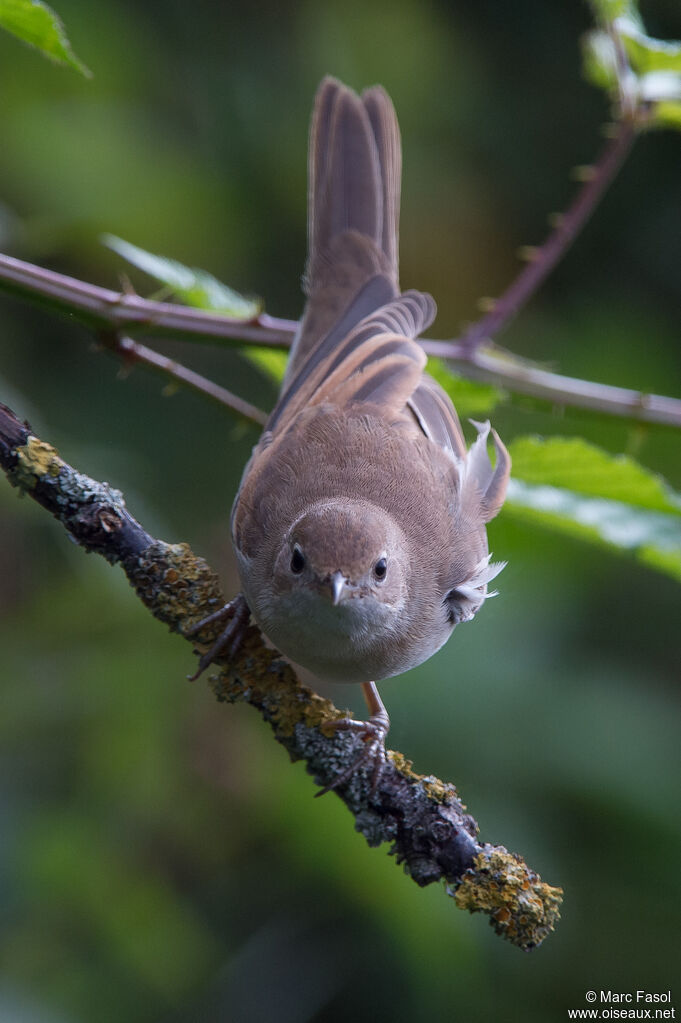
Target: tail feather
344,177
355,165
387,135
353,199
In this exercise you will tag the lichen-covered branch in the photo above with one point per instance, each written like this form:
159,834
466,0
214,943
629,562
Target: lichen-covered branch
429,831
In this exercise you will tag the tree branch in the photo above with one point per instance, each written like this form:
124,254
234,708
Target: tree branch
496,366
422,818
115,312
133,352
104,309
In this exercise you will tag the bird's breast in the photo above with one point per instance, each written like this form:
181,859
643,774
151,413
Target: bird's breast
360,640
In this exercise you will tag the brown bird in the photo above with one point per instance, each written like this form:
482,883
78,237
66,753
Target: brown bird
359,526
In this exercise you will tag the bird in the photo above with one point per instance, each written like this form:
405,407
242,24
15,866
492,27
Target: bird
359,524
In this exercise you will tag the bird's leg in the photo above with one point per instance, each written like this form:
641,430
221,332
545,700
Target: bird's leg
372,731
236,613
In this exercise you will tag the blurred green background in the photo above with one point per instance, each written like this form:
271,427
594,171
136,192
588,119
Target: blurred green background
160,858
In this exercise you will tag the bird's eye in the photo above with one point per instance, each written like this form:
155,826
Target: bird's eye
297,560
380,568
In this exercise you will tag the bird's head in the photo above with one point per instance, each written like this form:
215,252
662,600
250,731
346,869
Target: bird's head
346,555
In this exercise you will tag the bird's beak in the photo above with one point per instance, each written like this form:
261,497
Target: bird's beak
338,582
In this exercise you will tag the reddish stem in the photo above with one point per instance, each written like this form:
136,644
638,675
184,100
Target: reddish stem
558,242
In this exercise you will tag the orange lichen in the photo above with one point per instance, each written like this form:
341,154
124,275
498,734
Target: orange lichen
522,907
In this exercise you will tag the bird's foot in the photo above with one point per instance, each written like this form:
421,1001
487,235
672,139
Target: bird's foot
236,614
373,733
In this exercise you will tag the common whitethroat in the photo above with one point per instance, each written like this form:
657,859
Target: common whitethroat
359,526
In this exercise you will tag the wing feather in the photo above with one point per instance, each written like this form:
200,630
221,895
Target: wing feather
385,336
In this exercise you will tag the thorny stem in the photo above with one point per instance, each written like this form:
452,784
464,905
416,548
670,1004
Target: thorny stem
133,352
102,308
112,311
568,226
494,365
115,314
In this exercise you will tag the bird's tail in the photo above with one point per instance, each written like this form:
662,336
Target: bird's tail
355,168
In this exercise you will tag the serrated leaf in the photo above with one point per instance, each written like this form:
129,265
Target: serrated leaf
38,25
469,396
580,466
197,288
576,488
654,537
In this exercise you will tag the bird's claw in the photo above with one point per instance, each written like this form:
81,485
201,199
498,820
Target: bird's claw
236,613
373,733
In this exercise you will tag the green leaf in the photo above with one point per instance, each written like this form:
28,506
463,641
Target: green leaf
599,60
655,63
578,465
200,289
646,53
668,115
271,360
197,288
469,397
37,24
576,488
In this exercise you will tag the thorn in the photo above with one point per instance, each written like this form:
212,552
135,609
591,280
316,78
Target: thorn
161,294
528,253
486,304
170,390
126,284
584,172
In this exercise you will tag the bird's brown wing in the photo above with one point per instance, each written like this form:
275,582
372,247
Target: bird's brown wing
437,418
376,362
